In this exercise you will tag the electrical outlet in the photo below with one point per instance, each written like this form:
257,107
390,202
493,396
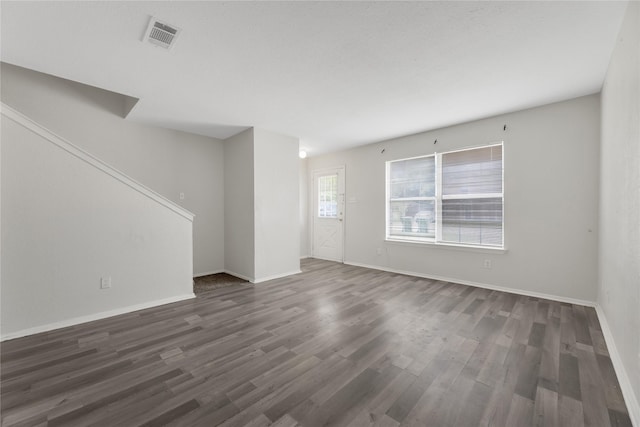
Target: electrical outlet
379,251
181,196
487,263
105,282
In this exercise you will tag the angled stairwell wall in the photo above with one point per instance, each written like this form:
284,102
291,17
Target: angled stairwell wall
69,220
170,162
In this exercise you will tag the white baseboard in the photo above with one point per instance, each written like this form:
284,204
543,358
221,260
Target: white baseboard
91,317
276,276
262,279
339,260
208,273
480,285
630,398
239,276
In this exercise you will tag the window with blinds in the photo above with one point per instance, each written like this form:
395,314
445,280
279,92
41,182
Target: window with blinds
412,197
452,198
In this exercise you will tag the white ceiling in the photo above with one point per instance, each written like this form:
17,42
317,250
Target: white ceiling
334,74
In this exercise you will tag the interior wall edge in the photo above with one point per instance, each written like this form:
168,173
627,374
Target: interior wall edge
630,398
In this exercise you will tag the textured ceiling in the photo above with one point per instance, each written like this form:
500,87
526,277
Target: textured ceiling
334,74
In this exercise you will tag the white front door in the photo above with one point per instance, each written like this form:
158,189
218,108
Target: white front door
328,214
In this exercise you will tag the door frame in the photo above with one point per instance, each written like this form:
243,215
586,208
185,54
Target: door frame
313,208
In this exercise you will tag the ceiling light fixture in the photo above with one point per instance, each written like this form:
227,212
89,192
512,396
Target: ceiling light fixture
302,154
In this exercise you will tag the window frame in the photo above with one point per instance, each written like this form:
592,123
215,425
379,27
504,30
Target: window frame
409,237
436,240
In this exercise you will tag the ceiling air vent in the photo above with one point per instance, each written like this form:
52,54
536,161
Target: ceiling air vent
161,34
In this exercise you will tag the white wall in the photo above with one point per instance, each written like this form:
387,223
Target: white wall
167,161
66,224
619,258
551,202
239,205
304,209
262,238
277,205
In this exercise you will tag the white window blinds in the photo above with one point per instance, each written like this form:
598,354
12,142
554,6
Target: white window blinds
472,196
412,201
454,197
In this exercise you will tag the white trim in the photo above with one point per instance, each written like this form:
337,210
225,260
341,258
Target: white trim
276,276
253,280
396,240
304,256
208,273
437,204
330,259
480,285
262,279
474,147
96,316
239,276
78,152
630,398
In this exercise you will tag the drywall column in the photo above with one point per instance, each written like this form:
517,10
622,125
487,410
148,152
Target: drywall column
239,253
262,225
619,255
277,207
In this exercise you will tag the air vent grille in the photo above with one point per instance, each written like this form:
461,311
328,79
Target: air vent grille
161,34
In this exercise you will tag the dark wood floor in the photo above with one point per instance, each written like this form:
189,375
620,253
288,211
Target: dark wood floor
335,345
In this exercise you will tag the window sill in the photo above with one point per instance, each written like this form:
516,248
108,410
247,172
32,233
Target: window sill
449,246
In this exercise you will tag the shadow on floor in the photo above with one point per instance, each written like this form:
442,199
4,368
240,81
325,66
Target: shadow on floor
215,281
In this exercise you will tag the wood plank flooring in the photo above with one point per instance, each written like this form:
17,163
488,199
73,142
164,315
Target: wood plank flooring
335,345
